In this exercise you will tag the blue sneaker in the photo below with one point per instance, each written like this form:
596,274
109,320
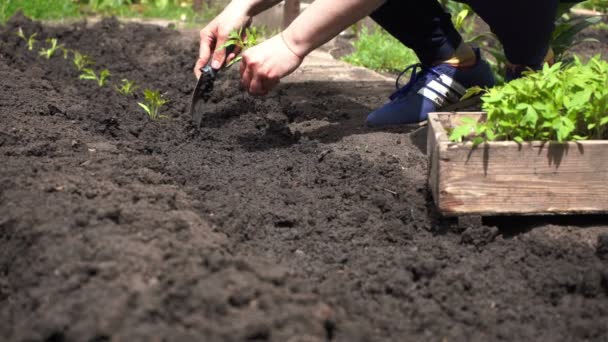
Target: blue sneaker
429,90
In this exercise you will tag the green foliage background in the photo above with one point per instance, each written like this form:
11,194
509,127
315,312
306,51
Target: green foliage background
380,51
62,9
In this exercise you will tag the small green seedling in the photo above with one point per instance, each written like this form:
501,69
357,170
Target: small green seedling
89,74
30,41
242,41
127,87
153,101
81,61
48,53
66,52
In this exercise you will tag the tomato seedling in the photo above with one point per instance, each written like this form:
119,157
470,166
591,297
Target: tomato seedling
242,41
30,41
49,52
127,87
89,74
81,61
153,101
556,103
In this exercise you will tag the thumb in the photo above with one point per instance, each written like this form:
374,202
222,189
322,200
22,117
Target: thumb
219,55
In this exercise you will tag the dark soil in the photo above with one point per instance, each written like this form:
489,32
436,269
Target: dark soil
115,227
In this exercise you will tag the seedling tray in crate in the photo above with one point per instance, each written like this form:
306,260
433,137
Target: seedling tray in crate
505,177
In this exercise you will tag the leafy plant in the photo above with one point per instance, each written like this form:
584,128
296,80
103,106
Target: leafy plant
242,41
153,102
81,61
555,104
378,50
30,41
50,51
89,74
127,87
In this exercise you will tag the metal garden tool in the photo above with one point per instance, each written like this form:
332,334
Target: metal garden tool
204,88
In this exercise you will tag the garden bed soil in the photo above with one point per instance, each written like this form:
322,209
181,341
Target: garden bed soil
114,227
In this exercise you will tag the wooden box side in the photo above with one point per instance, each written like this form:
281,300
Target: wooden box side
509,178
437,138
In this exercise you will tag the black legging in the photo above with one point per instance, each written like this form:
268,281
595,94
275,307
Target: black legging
523,27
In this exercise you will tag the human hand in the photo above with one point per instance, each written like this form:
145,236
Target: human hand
265,64
215,34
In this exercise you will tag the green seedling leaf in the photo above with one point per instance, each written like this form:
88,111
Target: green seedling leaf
460,18
241,40
127,87
103,75
50,51
472,92
81,61
153,102
30,41
89,74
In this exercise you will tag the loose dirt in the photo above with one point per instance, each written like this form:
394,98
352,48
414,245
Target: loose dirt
282,219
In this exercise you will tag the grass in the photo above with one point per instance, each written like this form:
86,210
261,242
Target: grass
39,9
380,51
62,9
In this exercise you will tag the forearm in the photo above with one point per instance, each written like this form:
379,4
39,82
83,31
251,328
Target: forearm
323,20
253,7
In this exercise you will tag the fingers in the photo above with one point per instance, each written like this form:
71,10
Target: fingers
246,74
200,63
255,81
207,44
219,55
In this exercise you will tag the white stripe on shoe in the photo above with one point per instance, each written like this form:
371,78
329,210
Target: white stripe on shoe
450,94
430,94
452,84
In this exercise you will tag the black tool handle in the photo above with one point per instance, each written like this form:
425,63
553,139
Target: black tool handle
208,71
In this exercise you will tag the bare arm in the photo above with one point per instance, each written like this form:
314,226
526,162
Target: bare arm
323,20
256,7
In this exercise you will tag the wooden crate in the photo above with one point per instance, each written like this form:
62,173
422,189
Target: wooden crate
508,178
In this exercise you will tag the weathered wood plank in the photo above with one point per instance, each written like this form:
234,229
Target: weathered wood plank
505,177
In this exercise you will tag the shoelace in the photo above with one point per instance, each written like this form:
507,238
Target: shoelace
419,71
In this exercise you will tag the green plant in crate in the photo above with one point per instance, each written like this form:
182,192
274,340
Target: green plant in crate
126,87
89,74
50,51
555,104
81,61
153,102
30,41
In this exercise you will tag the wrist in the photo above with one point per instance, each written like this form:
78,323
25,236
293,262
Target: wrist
297,45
